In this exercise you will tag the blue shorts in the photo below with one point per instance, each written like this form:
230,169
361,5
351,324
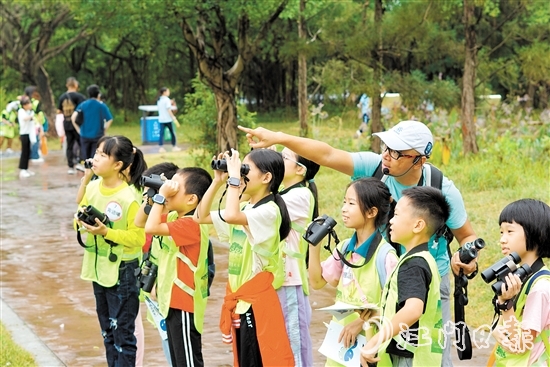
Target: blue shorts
365,118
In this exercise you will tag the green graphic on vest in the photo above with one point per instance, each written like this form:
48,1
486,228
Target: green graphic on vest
235,258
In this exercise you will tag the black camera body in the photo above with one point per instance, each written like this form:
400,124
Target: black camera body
88,164
89,214
147,275
469,250
153,182
318,229
221,165
502,268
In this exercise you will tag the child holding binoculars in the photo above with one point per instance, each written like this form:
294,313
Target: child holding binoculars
524,322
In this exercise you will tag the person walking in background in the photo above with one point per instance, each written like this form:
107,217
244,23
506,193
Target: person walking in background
32,92
166,118
27,135
95,119
66,105
363,104
8,125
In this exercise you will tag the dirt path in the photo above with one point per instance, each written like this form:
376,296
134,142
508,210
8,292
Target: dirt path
40,274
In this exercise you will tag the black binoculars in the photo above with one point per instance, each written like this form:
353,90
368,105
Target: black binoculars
469,250
153,182
89,214
318,229
502,268
221,165
88,164
146,275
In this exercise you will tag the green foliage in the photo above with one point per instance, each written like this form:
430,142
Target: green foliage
12,354
200,115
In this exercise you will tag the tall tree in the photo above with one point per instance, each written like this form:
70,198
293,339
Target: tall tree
469,144
220,68
28,40
302,72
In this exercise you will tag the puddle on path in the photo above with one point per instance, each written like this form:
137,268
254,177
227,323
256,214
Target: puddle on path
40,273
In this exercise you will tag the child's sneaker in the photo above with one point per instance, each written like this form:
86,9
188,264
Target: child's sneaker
176,149
24,174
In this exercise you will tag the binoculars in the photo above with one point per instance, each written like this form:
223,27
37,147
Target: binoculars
89,214
318,229
503,267
470,250
88,164
146,275
221,165
153,182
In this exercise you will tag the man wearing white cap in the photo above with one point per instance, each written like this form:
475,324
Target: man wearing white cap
406,148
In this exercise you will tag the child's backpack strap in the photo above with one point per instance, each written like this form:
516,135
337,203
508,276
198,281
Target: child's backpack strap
531,280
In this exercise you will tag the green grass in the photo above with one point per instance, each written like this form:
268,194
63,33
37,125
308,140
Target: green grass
12,354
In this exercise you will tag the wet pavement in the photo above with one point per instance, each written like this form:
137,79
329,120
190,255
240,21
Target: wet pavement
40,274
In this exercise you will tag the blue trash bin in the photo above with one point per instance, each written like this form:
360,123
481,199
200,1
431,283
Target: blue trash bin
150,129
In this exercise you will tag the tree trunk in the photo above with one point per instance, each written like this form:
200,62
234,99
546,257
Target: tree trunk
46,99
543,94
302,73
469,144
227,119
376,115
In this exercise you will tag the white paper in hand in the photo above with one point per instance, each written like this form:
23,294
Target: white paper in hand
340,309
337,352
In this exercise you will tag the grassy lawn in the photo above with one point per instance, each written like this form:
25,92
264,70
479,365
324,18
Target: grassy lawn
12,354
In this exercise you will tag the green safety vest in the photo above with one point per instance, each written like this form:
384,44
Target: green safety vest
96,265
303,246
239,266
505,359
168,258
364,287
428,352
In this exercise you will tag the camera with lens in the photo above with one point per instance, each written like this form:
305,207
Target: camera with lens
146,275
221,165
88,164
89,214
502,268
318,229
469,250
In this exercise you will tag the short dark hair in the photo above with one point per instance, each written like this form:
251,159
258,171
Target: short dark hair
430,204
30,90
534,216
24,100
168,168
197,180
93,91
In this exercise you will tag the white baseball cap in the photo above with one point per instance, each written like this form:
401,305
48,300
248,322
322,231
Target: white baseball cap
408,135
